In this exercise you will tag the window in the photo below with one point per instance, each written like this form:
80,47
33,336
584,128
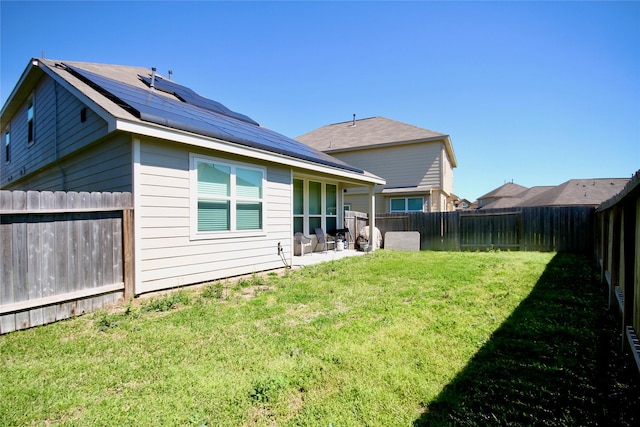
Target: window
30,124
407,204
226,198
7,146
315,205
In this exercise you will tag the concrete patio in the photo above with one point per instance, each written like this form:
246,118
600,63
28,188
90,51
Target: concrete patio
318,257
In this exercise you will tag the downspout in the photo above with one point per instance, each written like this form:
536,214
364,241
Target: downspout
55,134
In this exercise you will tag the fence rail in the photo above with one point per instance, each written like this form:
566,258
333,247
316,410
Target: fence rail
561,229
617,247
62,254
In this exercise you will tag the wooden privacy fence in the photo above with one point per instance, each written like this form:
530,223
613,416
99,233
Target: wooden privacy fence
62,254
355,222
561,229
617,247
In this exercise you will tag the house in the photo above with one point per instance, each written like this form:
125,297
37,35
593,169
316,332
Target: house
574,192
416,163
215,194
465,204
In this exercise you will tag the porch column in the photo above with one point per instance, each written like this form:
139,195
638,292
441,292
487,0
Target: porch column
372,218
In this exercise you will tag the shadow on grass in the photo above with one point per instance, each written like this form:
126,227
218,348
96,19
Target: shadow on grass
556,361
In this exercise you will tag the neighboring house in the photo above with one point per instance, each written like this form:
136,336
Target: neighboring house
507,191
214,193
575,192
464,204
416,163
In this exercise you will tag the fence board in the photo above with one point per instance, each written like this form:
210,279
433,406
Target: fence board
65,309
7,322
47,201
61,254
562,229
34,257
20,290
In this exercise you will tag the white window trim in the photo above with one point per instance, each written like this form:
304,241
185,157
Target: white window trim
406,203
323,209
193,202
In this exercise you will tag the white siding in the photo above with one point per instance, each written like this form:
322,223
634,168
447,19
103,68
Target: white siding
400,165
168,257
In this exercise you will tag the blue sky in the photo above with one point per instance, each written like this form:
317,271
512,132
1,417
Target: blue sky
534,92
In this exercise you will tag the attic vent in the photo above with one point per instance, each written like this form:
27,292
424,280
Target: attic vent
353,123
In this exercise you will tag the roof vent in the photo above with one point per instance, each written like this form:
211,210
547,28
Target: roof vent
170,74
353,123
153,78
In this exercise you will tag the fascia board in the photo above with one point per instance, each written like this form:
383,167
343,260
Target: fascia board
442,138
153,131
449,148
23,78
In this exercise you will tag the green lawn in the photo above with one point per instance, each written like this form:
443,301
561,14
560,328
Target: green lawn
387,339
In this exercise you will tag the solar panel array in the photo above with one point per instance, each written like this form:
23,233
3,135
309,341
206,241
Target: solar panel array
189,96
201,119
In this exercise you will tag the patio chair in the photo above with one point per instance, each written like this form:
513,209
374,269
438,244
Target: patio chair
303,241
325,240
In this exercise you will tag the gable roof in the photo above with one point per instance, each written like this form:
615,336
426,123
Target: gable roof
519,199
506,190
371,132
137,100
589,192
575,192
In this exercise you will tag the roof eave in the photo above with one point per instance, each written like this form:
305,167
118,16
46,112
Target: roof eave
176,135
444,138
449,147
27,82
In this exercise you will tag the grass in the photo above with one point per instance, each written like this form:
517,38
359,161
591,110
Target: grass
391,339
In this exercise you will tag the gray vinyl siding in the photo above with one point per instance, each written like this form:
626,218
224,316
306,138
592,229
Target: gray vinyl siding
56,121
400,165
168,256
103,166
360,202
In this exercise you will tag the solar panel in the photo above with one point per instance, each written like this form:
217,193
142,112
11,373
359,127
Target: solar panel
173,113
189,96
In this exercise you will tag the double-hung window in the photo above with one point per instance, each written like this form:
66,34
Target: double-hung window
407,204
227,198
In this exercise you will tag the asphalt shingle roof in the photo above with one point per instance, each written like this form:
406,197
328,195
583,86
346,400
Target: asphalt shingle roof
575,192
369,132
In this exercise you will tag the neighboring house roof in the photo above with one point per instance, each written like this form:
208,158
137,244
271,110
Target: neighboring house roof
123,96
372,132
575,192
589,192
519,199
507,190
